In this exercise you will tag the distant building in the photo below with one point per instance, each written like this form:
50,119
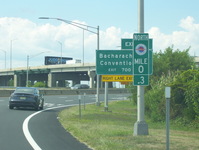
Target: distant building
196,58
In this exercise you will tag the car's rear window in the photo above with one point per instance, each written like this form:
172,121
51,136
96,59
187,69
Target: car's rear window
21,90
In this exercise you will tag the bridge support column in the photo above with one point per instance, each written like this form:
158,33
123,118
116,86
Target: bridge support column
50,80
15,80
92,75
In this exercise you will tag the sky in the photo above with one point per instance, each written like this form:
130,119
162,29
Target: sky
169,22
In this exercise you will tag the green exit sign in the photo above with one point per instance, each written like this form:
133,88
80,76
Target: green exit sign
127,44
114,62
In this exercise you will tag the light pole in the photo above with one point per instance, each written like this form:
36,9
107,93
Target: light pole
5,56
61,50
11,53
89,29
83,49
27,71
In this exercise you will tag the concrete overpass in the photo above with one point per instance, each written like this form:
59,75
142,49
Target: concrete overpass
52,75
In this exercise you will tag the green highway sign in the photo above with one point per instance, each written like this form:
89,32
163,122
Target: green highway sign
141,80
127,44
134,58
114,62
150,56
141,58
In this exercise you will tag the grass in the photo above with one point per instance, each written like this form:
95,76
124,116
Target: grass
113,130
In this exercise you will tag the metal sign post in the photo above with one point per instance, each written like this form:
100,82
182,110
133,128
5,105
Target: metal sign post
80,114
106,97
134,58
167,96
140,127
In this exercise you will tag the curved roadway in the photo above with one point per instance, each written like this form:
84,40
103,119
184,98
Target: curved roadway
26,129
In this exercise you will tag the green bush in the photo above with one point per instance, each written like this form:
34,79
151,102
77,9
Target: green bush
154,104
39,84
155,96
11,82
186,94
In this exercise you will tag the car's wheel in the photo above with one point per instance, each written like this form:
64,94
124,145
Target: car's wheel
36,107
42,106
11,107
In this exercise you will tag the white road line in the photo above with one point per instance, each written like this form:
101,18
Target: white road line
26,132
69,100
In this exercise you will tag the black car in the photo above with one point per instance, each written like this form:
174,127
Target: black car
26,97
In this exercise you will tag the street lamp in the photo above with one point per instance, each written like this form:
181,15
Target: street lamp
28,58
89,29
11,53
83,49
5,56
81,26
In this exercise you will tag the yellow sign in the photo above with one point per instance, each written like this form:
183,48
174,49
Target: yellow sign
117,78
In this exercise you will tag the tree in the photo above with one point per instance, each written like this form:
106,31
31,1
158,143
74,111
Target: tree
170,60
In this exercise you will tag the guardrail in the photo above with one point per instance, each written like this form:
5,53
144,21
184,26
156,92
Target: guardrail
46,91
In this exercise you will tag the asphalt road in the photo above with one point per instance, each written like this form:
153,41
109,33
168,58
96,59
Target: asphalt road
27,129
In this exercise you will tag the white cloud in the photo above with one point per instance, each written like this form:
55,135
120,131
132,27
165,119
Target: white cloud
187,37
29,38
189,25
160,40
